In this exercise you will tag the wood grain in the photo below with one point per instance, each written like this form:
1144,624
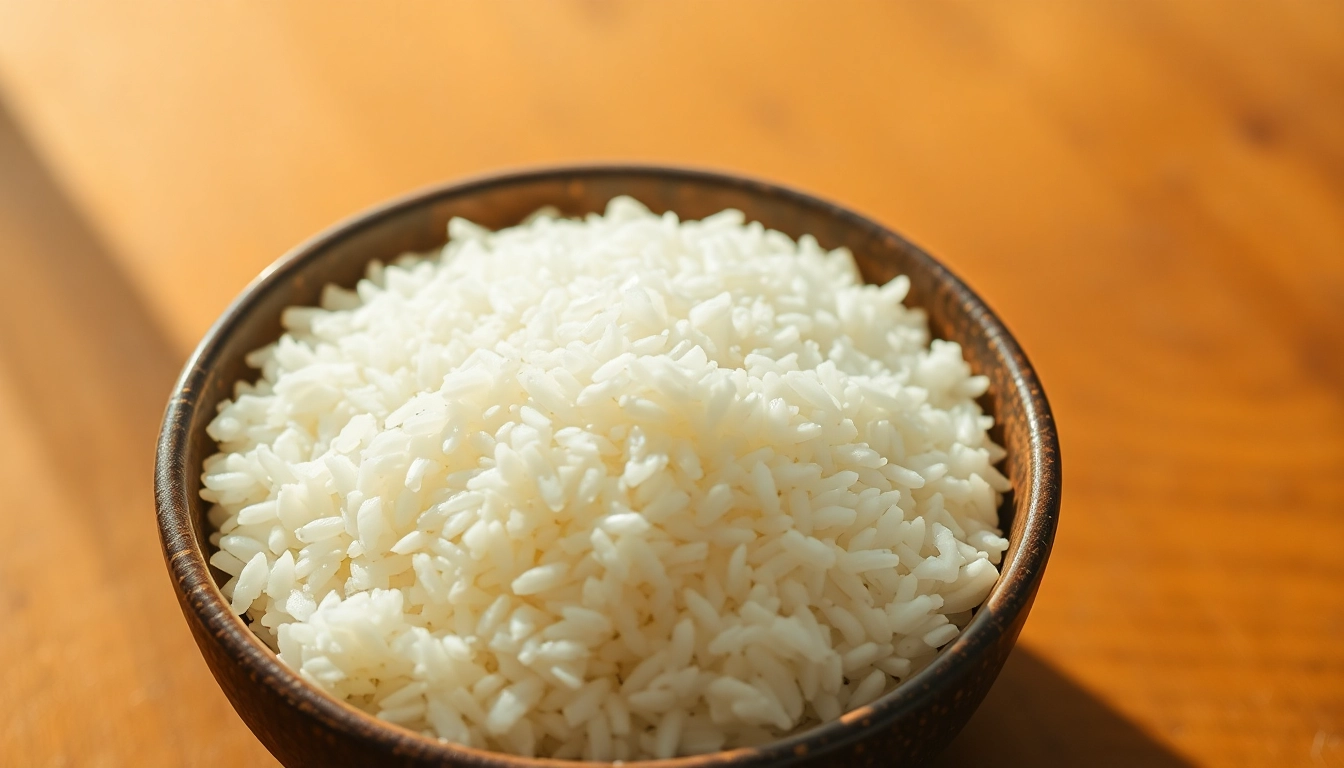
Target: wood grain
1150,193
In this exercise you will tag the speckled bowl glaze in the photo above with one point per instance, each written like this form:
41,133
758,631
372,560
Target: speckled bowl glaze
303,726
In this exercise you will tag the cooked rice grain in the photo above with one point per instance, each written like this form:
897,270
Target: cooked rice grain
618,488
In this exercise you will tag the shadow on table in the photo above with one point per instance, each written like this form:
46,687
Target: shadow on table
1035,716
77,344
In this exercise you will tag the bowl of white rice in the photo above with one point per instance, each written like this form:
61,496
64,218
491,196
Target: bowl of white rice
607,464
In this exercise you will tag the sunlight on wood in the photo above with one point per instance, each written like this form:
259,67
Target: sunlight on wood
1151,194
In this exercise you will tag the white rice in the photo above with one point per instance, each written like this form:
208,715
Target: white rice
618,488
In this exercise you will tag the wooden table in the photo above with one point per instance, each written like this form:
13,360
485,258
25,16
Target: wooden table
1151,193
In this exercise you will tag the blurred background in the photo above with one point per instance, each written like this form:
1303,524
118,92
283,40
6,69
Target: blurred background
1151,194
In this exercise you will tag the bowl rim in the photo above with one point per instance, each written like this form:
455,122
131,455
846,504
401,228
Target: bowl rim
187,563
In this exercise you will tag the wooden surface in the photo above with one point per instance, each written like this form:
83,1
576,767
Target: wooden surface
1150,193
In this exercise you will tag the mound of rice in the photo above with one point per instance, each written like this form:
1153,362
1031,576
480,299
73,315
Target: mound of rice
618,488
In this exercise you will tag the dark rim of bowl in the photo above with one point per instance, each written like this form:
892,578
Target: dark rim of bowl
188,566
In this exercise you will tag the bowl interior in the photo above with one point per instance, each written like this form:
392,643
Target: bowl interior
418,223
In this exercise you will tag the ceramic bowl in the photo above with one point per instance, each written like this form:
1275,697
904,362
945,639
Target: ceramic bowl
302,726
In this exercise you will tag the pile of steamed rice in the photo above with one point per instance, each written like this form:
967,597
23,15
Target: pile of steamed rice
614,488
